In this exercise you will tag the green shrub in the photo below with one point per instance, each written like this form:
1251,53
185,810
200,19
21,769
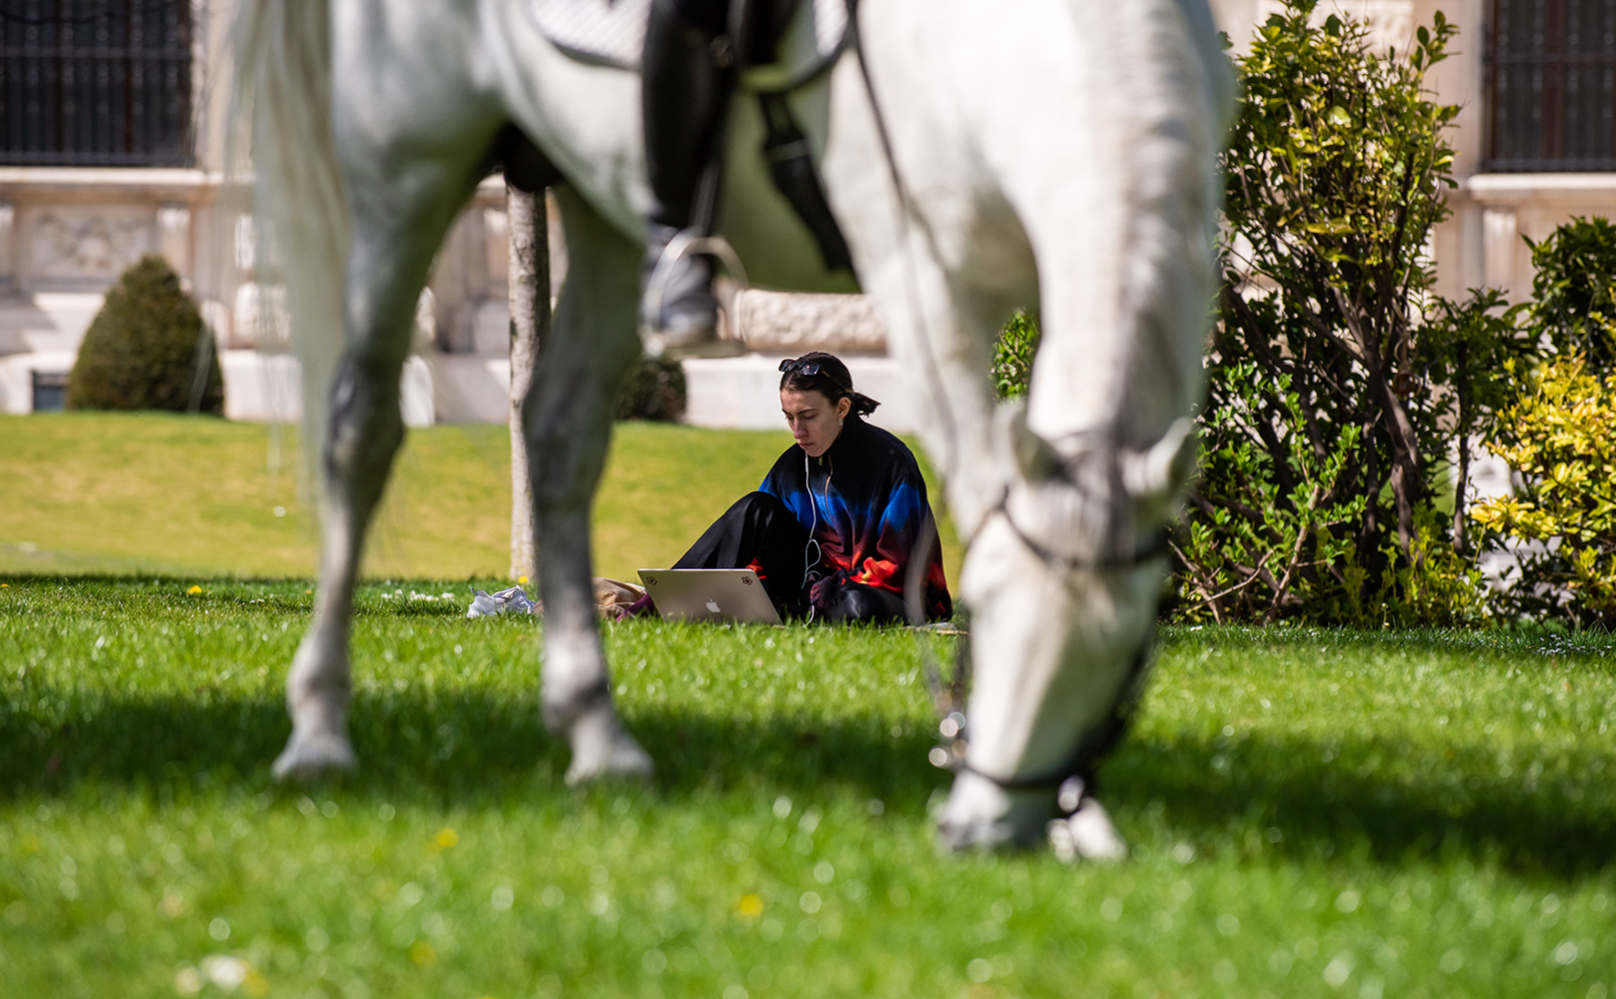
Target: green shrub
142,349
1337,383
1560,439
1266,516
655,391
1574,289
1557,436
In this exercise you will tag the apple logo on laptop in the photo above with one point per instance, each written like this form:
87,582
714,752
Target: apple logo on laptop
712,607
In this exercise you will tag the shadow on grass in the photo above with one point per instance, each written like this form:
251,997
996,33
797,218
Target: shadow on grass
1320,797
462,749
469,751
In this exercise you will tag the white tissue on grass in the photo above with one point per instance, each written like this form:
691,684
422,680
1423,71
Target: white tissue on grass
511,601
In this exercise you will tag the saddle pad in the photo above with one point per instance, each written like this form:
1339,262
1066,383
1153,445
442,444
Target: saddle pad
612,33
603,31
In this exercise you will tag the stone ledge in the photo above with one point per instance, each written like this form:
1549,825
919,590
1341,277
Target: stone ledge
146,183
1524,188
795,323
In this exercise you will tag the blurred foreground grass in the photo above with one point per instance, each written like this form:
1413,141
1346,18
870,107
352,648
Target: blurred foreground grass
142,493
1312,814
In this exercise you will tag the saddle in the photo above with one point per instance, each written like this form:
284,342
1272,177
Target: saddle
788,44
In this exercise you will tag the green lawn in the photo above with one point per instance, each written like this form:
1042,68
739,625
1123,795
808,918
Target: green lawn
1312,814
142,493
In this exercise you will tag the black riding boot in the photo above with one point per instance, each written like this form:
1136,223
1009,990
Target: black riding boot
683,95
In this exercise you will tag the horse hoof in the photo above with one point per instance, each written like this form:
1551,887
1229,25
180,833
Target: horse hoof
602,750
980,815
1087,834
308,758
960,837
626,760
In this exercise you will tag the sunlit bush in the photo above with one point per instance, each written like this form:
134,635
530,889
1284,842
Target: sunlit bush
1560,439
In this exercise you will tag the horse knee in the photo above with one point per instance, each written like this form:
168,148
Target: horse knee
366,428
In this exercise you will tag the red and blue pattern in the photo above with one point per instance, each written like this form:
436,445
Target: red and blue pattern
864,501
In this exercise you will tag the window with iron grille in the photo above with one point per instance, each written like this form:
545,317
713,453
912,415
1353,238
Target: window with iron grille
95,82
1551,75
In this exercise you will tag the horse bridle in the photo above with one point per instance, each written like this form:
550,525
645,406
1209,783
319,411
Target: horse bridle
1074,780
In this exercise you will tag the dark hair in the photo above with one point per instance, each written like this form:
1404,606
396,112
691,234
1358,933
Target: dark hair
824,373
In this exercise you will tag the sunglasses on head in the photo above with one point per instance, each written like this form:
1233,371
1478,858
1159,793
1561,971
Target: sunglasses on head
809,369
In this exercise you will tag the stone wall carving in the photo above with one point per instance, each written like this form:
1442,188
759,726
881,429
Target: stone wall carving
772,322
90,242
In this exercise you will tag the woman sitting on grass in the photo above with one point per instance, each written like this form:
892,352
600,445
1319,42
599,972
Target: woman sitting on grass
833,528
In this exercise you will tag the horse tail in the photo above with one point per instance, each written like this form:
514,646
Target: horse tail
282,95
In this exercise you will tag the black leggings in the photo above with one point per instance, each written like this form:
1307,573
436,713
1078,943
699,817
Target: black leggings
758,527
711,16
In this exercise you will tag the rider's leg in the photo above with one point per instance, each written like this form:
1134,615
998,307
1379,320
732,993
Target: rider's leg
683,95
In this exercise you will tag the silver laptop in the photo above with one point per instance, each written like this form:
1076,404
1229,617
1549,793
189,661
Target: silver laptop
709,595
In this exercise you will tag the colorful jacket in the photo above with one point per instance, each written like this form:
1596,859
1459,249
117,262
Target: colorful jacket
864,501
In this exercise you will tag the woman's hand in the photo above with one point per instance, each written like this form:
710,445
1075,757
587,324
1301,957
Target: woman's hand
824,590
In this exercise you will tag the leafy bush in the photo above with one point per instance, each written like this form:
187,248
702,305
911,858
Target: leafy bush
1013,354
1560,439
1574,290
1334,398
655,391
1264,516
141,350
1560,525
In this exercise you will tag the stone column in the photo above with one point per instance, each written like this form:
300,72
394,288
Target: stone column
8,275
1501,235
174,238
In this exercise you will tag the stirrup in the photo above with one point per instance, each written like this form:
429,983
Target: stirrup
684,243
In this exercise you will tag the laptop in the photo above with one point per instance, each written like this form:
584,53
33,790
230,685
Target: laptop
709,595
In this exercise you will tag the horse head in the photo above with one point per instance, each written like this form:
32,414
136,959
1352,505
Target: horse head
1062,580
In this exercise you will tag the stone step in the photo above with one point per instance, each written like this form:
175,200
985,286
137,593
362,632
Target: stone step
744,392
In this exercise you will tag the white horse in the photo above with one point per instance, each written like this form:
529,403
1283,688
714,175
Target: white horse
979,157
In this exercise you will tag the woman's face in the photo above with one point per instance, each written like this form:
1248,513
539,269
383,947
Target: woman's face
813,420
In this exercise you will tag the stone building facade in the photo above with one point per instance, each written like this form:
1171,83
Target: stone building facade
1535,138
85,190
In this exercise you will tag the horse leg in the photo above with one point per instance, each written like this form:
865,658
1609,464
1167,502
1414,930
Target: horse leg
398,222
567,417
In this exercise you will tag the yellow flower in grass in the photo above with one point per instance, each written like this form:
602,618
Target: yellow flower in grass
445,838
750,906
256,984
194,590
422,953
